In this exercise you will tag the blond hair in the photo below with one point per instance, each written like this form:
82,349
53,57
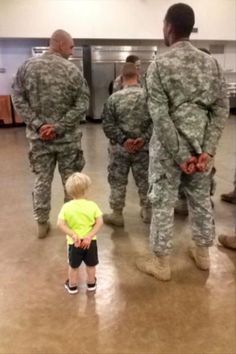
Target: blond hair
77,184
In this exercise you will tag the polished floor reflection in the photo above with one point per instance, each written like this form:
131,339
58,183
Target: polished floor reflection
131,313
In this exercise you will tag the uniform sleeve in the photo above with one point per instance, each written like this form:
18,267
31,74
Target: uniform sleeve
117,84
147,131
162,123
78,111
147,135
21,103
218,114
110,126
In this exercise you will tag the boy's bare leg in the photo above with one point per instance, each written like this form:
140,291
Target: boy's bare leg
91,273
73,274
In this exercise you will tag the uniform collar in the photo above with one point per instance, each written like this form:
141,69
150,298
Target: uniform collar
128,86
182,43
53,53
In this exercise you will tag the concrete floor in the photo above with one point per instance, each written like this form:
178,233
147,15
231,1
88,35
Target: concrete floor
194,313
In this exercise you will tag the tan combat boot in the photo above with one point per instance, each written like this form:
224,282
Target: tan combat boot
181,207
228,241
229,197
201,257
115,218
159,267
43,229
146,215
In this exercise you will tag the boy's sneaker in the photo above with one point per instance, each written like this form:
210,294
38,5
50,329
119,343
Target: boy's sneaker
92,287
70,289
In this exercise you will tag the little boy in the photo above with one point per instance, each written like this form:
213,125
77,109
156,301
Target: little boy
80,219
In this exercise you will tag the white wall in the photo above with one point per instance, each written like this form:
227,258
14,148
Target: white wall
111,19
12,54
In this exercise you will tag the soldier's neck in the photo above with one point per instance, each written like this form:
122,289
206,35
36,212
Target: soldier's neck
54,51
130,82
175,39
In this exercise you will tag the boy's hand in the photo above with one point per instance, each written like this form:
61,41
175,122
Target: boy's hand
76,240
77,243
85,243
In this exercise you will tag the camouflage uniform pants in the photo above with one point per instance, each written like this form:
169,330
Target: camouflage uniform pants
212,189
165,177
43,157
120,163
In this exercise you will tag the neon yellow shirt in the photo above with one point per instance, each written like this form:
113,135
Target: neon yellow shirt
80,215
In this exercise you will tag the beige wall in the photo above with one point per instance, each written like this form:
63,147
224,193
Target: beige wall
134,19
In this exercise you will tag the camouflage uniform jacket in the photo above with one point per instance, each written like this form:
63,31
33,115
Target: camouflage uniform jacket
50,89
125,115
188,101
117,84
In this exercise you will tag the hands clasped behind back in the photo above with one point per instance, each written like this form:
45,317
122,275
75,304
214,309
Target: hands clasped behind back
202,163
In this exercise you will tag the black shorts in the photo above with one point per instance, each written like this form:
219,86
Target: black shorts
89,256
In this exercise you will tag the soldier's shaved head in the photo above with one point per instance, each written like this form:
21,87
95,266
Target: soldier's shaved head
129,71
61,42
59,35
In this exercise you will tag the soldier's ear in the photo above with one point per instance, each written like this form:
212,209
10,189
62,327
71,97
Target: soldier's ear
169,28
61,46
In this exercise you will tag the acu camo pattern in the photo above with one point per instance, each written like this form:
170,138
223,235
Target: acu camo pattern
51,89
188,103
125,115
117,84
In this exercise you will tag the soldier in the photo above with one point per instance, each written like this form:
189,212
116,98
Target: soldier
118,82
181,206
52,97
126,122
188,103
